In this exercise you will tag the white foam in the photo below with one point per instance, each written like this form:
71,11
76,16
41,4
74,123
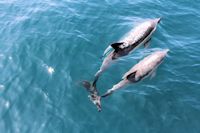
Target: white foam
50,70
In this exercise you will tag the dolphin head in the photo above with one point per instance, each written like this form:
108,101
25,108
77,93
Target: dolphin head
162,53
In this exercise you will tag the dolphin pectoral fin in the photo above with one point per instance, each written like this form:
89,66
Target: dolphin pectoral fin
147,43
153,74
116,46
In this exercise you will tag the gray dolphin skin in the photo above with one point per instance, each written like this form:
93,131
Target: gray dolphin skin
141,70
134,39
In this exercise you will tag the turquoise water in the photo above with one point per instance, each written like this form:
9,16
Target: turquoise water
48,46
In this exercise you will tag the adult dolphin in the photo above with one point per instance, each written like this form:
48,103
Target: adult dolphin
143,69
134,39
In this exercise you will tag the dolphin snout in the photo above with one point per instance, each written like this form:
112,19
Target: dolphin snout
158,20
165,51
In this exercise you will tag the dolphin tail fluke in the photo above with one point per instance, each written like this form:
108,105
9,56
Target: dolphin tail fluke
86,85
96,100
93,96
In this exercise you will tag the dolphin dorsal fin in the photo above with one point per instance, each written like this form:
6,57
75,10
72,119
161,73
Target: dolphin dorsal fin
131,76
116,46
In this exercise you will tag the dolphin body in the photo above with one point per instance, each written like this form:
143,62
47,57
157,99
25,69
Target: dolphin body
143,69
135,38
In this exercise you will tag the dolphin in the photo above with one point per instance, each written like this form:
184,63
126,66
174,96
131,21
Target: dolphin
134,39
141,70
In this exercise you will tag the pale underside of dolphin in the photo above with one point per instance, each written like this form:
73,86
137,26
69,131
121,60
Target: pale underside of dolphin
141,70
134,39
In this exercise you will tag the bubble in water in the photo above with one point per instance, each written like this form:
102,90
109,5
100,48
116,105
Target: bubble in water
10,57
50,70
7,104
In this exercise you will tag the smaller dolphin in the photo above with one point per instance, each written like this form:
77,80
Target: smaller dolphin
94,94
143,69
134,39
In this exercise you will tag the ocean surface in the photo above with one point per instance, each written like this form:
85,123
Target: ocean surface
47,47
